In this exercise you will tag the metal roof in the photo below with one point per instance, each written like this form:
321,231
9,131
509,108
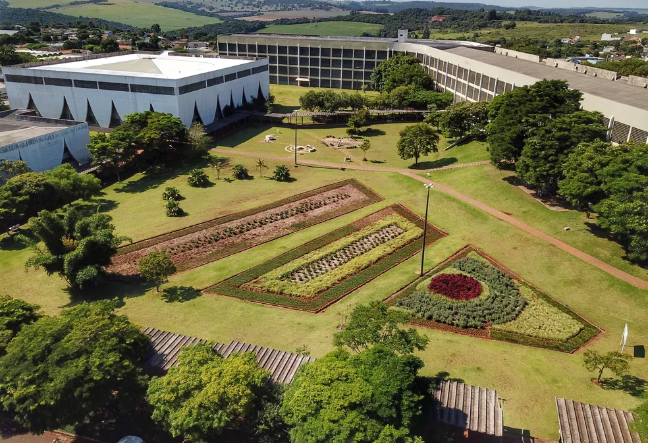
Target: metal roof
617,91
583,423
15,127
468,407
166,346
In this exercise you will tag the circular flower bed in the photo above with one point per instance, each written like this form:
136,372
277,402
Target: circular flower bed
455,286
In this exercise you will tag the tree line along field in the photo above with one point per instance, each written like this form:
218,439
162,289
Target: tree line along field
351,29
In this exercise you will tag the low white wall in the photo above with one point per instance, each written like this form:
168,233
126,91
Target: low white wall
517,54
582,69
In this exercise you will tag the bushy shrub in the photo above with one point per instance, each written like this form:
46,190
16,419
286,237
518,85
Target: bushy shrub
281,173
171,193
197,178
173,209
455,286
240,172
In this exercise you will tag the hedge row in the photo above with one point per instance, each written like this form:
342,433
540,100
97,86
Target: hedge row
232,286
372,198
588,332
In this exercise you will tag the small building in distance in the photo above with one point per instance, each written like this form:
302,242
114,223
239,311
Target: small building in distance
635,31
102,91
608,38
438,18
43,143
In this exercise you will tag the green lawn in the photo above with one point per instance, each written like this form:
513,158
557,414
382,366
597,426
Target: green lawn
527,378
383,152
136,14
352,29
287,97
490,186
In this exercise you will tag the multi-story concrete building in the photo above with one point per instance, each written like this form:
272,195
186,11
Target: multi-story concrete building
470,71
102,90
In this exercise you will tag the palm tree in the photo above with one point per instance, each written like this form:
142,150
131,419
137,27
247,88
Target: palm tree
260,164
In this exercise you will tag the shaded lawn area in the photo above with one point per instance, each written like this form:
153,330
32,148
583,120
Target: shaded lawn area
383,141
527,378
490,186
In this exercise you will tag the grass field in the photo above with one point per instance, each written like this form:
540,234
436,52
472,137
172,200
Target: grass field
606,15
324,28
125,11
296,13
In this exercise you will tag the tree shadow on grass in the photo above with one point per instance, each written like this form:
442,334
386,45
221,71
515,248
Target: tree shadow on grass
107,290
373,132
446,161
635,386
444,376
97,204
179,294
11,243
152,180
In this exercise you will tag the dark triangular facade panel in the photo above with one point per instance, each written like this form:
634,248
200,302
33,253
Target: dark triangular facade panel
116,120
90,116
197,117
151,107
244,102
232,102
32,106
218,115
65,113
260,94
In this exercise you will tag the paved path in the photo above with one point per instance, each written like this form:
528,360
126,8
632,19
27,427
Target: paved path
634,281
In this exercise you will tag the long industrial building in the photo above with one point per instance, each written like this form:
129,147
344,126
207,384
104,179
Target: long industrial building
471,71
102,90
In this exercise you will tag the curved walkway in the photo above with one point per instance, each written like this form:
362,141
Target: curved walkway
634,281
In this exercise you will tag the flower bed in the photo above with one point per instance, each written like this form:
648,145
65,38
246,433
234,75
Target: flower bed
209,241
269,283
455,286
512,310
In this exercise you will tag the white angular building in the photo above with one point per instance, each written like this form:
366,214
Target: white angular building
101,91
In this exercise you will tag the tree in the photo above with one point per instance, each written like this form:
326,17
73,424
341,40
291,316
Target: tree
198,178
416,141
173,209
23,196
376,324
640,423
156,267
412,74
207,394
546,148
260,165
12,168
626,216
385,76
218,163
281,173
109,45
60,370
426,33
155,28
74,246
240,172
71,186
343,397
171,193
14,315
514,113
111,153
358,120
617,362
464,118
365,147
198,139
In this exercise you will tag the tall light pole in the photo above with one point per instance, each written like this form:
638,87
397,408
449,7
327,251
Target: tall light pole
424,237
295,143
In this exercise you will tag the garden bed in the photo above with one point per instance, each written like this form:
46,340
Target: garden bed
217,238
322,271
505,308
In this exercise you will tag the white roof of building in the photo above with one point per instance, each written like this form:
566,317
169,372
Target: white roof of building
144,65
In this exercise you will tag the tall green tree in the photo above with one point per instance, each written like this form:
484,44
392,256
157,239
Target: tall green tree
464,118
14,314
546,148
399,70
156,267
626,217
342,397
73,246
198,139
60,370
23,196
376,324
617,362
71,186
358,120
112,153
513,114
416,141
12,168
207,394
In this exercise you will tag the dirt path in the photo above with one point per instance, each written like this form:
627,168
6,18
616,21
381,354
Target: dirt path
634,281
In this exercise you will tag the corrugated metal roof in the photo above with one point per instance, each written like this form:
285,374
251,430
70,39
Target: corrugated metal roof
166,346
583,423
468,407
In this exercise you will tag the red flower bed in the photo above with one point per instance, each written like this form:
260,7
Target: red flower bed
456,286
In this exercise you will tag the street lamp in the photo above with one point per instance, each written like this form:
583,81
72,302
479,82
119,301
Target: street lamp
424,237
295,143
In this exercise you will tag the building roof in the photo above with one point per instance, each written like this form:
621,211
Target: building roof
14,129
145,65
616,91
166,346
583,423
468,407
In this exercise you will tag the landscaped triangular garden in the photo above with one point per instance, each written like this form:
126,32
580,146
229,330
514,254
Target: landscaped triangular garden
470,293
322,271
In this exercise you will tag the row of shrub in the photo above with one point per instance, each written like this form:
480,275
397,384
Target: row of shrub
274,282
372,197
232,287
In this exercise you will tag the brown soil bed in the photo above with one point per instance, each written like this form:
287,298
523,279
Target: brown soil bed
210,241
341,143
